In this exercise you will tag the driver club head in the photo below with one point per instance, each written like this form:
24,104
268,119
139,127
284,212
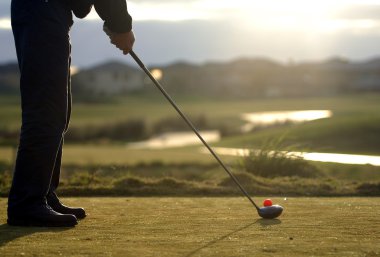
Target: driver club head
270,212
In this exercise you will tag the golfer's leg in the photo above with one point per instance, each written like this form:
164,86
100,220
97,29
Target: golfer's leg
41,37
57,166
56,170
52,197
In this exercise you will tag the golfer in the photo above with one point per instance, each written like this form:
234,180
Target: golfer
41,33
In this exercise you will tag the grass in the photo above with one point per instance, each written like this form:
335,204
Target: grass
91,154
354,128
155,108
204,227
208,179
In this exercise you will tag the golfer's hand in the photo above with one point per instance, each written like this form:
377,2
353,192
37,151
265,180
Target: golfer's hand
123,41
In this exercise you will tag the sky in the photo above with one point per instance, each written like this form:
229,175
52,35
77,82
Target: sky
199,31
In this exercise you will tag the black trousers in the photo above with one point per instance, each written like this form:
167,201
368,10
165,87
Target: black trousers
41,33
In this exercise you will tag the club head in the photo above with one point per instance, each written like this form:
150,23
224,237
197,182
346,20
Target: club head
270,212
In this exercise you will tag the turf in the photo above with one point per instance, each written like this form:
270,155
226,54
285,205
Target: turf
204,227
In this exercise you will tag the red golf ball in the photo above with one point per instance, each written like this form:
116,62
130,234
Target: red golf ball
267,202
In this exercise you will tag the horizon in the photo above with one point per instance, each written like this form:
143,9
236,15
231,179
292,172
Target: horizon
206,62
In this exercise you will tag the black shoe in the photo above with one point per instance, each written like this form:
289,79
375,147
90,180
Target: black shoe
44,216
57,206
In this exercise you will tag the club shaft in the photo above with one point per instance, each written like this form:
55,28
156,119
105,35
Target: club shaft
190,124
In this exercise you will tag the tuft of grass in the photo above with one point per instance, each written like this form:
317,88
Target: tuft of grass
370,189
246,179
171,183
274,159
129,182
85,179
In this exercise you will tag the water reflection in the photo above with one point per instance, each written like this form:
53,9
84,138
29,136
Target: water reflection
177,139
269,118
320,157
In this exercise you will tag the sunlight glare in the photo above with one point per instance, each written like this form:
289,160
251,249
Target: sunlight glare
284,116
5,23
74,69
157,74
274,15
317,157
297,15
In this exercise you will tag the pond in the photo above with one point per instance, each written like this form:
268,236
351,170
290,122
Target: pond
179,139
259,119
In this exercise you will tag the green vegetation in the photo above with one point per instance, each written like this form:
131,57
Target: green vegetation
98,162
204,227
130,130
207,179
354,128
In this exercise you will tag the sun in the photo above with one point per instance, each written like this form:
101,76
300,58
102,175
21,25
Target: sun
288,14
5,23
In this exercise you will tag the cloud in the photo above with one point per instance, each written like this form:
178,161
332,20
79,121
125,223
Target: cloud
162,42
359,12
157,42
228,32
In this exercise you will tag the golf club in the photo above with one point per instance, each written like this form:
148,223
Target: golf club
269,212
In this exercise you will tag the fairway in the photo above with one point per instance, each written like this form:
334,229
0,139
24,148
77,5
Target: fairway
204,227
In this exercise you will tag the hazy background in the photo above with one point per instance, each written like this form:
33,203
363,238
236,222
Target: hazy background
268,78
203,30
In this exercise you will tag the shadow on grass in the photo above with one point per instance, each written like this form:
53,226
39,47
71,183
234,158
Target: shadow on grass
268,222
262,222
10,233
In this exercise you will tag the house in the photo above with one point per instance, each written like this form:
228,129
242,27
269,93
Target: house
109,79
